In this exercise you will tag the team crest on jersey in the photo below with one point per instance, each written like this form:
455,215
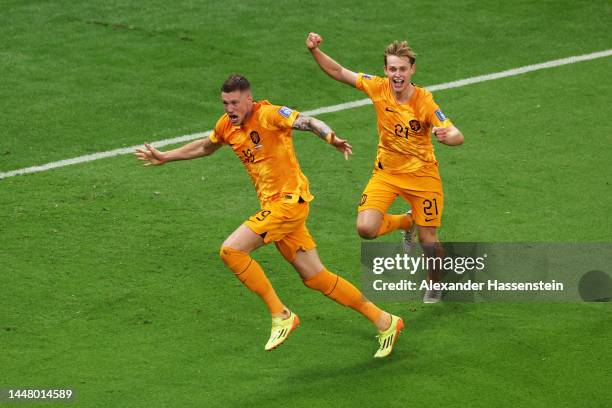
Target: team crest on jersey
364,198
415,125
440,115
255,138
285,111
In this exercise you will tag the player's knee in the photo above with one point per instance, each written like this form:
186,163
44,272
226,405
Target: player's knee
309,282
367,231
236,260
229,255
224,253
428,235
321,281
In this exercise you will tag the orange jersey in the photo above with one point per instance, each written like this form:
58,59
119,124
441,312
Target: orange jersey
264,145
404,130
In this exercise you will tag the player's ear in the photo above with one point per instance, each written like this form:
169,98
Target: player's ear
413,68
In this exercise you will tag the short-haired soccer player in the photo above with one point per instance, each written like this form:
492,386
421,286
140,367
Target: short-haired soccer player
405,163
260,134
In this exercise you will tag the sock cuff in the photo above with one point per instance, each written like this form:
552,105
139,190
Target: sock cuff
236,260
324,281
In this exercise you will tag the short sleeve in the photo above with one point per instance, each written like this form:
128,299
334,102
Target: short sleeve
369,84
281,117
213,137
435,115
217,135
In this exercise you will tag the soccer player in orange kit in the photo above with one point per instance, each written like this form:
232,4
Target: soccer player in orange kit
260,134
405,163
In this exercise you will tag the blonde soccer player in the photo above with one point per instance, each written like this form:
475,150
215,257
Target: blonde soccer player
405,164
260,134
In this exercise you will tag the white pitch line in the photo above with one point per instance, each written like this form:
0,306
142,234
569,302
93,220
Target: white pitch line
326,109
101,155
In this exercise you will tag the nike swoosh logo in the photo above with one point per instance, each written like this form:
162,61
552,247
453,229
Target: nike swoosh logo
390,110
429,219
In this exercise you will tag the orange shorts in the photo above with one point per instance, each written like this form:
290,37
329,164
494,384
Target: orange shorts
284,224
421,189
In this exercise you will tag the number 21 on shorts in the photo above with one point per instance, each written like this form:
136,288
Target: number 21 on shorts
430,209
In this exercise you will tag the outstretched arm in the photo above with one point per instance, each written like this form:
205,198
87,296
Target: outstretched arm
192,150
319,128
327,64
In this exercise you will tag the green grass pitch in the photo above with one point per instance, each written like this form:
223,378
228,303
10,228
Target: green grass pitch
111,282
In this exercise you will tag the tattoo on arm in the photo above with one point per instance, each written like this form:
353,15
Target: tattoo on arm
316,126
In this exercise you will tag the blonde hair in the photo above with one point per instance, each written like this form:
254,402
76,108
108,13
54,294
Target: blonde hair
400,49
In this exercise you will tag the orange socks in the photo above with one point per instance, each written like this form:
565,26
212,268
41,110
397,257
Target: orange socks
250,273
343,292
394,222
331,285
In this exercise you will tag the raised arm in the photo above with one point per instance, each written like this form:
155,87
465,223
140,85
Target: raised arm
319,128
192,150
327,64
